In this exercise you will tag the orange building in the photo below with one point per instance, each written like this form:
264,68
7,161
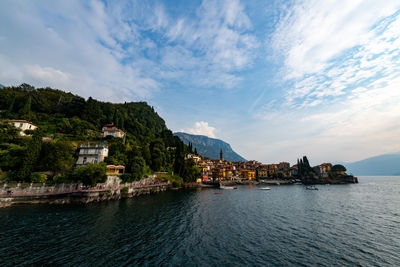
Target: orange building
248,174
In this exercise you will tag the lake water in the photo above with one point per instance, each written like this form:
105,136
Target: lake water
357,224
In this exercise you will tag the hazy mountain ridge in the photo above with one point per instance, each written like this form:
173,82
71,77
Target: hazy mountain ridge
210,147
387,164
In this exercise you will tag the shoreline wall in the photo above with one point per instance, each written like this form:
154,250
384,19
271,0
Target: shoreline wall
74,193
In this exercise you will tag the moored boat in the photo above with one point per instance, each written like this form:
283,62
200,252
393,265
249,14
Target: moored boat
311,187
227,187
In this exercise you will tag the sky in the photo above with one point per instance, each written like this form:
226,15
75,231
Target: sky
275,79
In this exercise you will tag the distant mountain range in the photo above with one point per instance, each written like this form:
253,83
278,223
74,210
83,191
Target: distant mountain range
210,147
387,164
1,86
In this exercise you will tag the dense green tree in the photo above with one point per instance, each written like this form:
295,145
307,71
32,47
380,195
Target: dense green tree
8,133
31,156
27,107
12,102
136,167
157,152
90,174
57,157
179,164
191,172
11,157
304,168
146,154
338,168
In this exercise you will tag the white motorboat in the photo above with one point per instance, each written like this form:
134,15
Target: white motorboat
265,188
227,187
311,187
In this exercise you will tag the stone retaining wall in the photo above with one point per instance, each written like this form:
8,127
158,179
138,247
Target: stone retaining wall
11,194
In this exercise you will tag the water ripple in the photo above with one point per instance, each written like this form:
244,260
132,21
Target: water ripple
288,225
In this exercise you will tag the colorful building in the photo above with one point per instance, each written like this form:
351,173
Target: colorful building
115,170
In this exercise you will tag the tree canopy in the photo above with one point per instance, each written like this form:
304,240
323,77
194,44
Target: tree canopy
69,120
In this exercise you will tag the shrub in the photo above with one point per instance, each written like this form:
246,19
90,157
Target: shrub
38,177
176,184
125,190
129,177
59,178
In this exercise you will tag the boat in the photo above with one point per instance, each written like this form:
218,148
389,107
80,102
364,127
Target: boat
265,188
218,193
227,187
311,187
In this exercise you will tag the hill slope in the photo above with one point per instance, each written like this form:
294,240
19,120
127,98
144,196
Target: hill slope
210,147
59,112
387,164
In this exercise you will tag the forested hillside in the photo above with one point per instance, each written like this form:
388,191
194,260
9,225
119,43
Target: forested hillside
69,120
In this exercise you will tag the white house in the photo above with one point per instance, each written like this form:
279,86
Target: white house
23,125
111,129
91,153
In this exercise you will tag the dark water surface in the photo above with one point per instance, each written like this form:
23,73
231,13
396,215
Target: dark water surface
288,225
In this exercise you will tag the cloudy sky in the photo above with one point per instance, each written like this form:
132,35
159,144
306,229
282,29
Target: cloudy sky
275,79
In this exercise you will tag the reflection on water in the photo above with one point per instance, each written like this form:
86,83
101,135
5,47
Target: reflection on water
287,225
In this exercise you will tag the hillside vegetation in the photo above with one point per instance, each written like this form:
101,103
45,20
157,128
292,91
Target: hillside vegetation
70,120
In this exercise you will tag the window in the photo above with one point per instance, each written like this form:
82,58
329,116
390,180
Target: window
84,160
20,125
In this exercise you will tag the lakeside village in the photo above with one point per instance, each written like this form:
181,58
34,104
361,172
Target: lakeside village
211,172
275,174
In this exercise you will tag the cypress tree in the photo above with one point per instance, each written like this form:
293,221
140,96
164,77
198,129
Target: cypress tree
179,164
27,107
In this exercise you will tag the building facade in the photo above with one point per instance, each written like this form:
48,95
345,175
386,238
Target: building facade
23,125
112,130
91,153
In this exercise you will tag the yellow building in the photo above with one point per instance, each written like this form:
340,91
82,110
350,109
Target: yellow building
115,170
249,174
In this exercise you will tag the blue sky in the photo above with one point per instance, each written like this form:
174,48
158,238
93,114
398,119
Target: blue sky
275,79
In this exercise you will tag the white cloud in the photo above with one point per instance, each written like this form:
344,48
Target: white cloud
201,128
125,50
46,74
209,49
72,46
314,32
331,48
341,68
